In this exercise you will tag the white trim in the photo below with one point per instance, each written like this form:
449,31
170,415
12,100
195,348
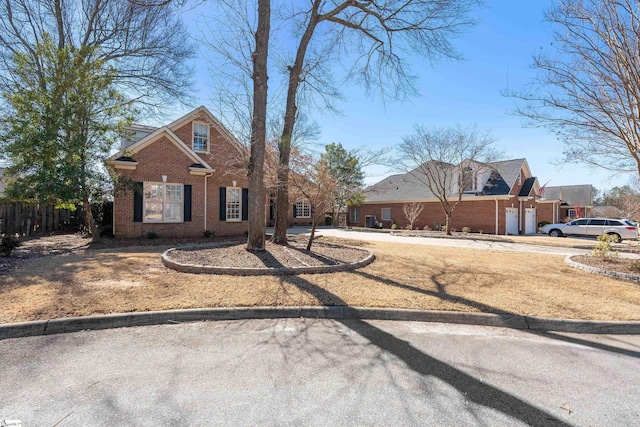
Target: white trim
193,136
382,218
164,203
214,122
226,204
201,171
155,136
464,199
303,200
122,164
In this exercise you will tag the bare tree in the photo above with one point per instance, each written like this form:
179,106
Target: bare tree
625,199
587,89
448,162
375,39
311,180
147,46
412,211
256,235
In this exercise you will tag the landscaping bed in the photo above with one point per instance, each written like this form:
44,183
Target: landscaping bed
611,263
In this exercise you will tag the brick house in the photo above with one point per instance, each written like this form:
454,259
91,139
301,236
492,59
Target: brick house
186,177
500,198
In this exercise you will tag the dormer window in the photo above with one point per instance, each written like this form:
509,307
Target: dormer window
200,137
468,180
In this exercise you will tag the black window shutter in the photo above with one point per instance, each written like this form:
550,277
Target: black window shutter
137,201
295,211
245,204
223,203
187,203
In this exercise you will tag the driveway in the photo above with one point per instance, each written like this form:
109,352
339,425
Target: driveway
430,241
320,372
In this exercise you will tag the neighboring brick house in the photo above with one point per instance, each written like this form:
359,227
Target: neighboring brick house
501,198
576,201
187,177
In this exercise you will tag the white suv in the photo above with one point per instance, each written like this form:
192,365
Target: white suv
619,228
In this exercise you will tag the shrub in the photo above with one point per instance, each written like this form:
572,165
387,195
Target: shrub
603,247
426,228
543,223
152,235
466,230
635,266
409,227
8,244
394,226
208,233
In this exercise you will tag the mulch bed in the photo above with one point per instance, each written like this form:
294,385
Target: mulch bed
292,255
611,263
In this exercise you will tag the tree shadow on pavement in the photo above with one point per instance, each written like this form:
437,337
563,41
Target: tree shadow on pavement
473,389
484,308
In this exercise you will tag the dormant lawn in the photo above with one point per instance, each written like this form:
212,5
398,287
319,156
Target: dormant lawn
83,281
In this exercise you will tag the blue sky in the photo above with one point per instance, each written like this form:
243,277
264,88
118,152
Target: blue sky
498,55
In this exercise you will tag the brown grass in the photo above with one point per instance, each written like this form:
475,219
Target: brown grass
86,281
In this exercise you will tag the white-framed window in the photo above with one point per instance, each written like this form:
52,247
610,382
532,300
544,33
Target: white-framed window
234,204
163,202
571,213
354,215
303,208
468,180
200,137
386,214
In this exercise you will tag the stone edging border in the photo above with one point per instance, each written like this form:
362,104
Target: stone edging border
236,271
110,321
595,270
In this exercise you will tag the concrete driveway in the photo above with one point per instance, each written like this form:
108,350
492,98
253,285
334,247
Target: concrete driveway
460,243
320,372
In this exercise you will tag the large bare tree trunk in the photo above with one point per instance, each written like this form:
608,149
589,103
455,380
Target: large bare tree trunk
256,208
284,147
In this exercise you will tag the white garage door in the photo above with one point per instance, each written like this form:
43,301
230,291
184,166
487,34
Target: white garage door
530,224
512,221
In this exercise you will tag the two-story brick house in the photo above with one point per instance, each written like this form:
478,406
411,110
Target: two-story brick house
186,177
501,198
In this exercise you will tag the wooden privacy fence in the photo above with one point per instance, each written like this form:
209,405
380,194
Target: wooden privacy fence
25,219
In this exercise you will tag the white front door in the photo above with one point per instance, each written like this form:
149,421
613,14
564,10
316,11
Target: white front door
530,225
511,223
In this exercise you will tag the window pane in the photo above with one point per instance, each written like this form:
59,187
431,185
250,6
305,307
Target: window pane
303,208
596,222
200,137
153,202
386,214
173,203
234,207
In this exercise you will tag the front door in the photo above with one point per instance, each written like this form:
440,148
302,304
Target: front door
530,225
511,223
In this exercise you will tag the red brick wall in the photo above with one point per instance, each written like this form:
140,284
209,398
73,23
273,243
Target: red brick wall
163,157
479,215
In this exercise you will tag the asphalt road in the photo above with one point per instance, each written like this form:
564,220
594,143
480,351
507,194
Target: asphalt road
320,372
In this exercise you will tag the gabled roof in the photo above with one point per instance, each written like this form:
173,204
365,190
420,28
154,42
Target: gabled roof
409,186
572,195
510,169
153,137
215,122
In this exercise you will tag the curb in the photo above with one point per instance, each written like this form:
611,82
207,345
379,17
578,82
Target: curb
111,321
595,270
237,271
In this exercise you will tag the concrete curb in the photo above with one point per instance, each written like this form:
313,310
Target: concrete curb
110,321
235,271
595,270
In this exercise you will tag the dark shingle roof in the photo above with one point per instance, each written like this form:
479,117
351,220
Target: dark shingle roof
527,186
409,186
